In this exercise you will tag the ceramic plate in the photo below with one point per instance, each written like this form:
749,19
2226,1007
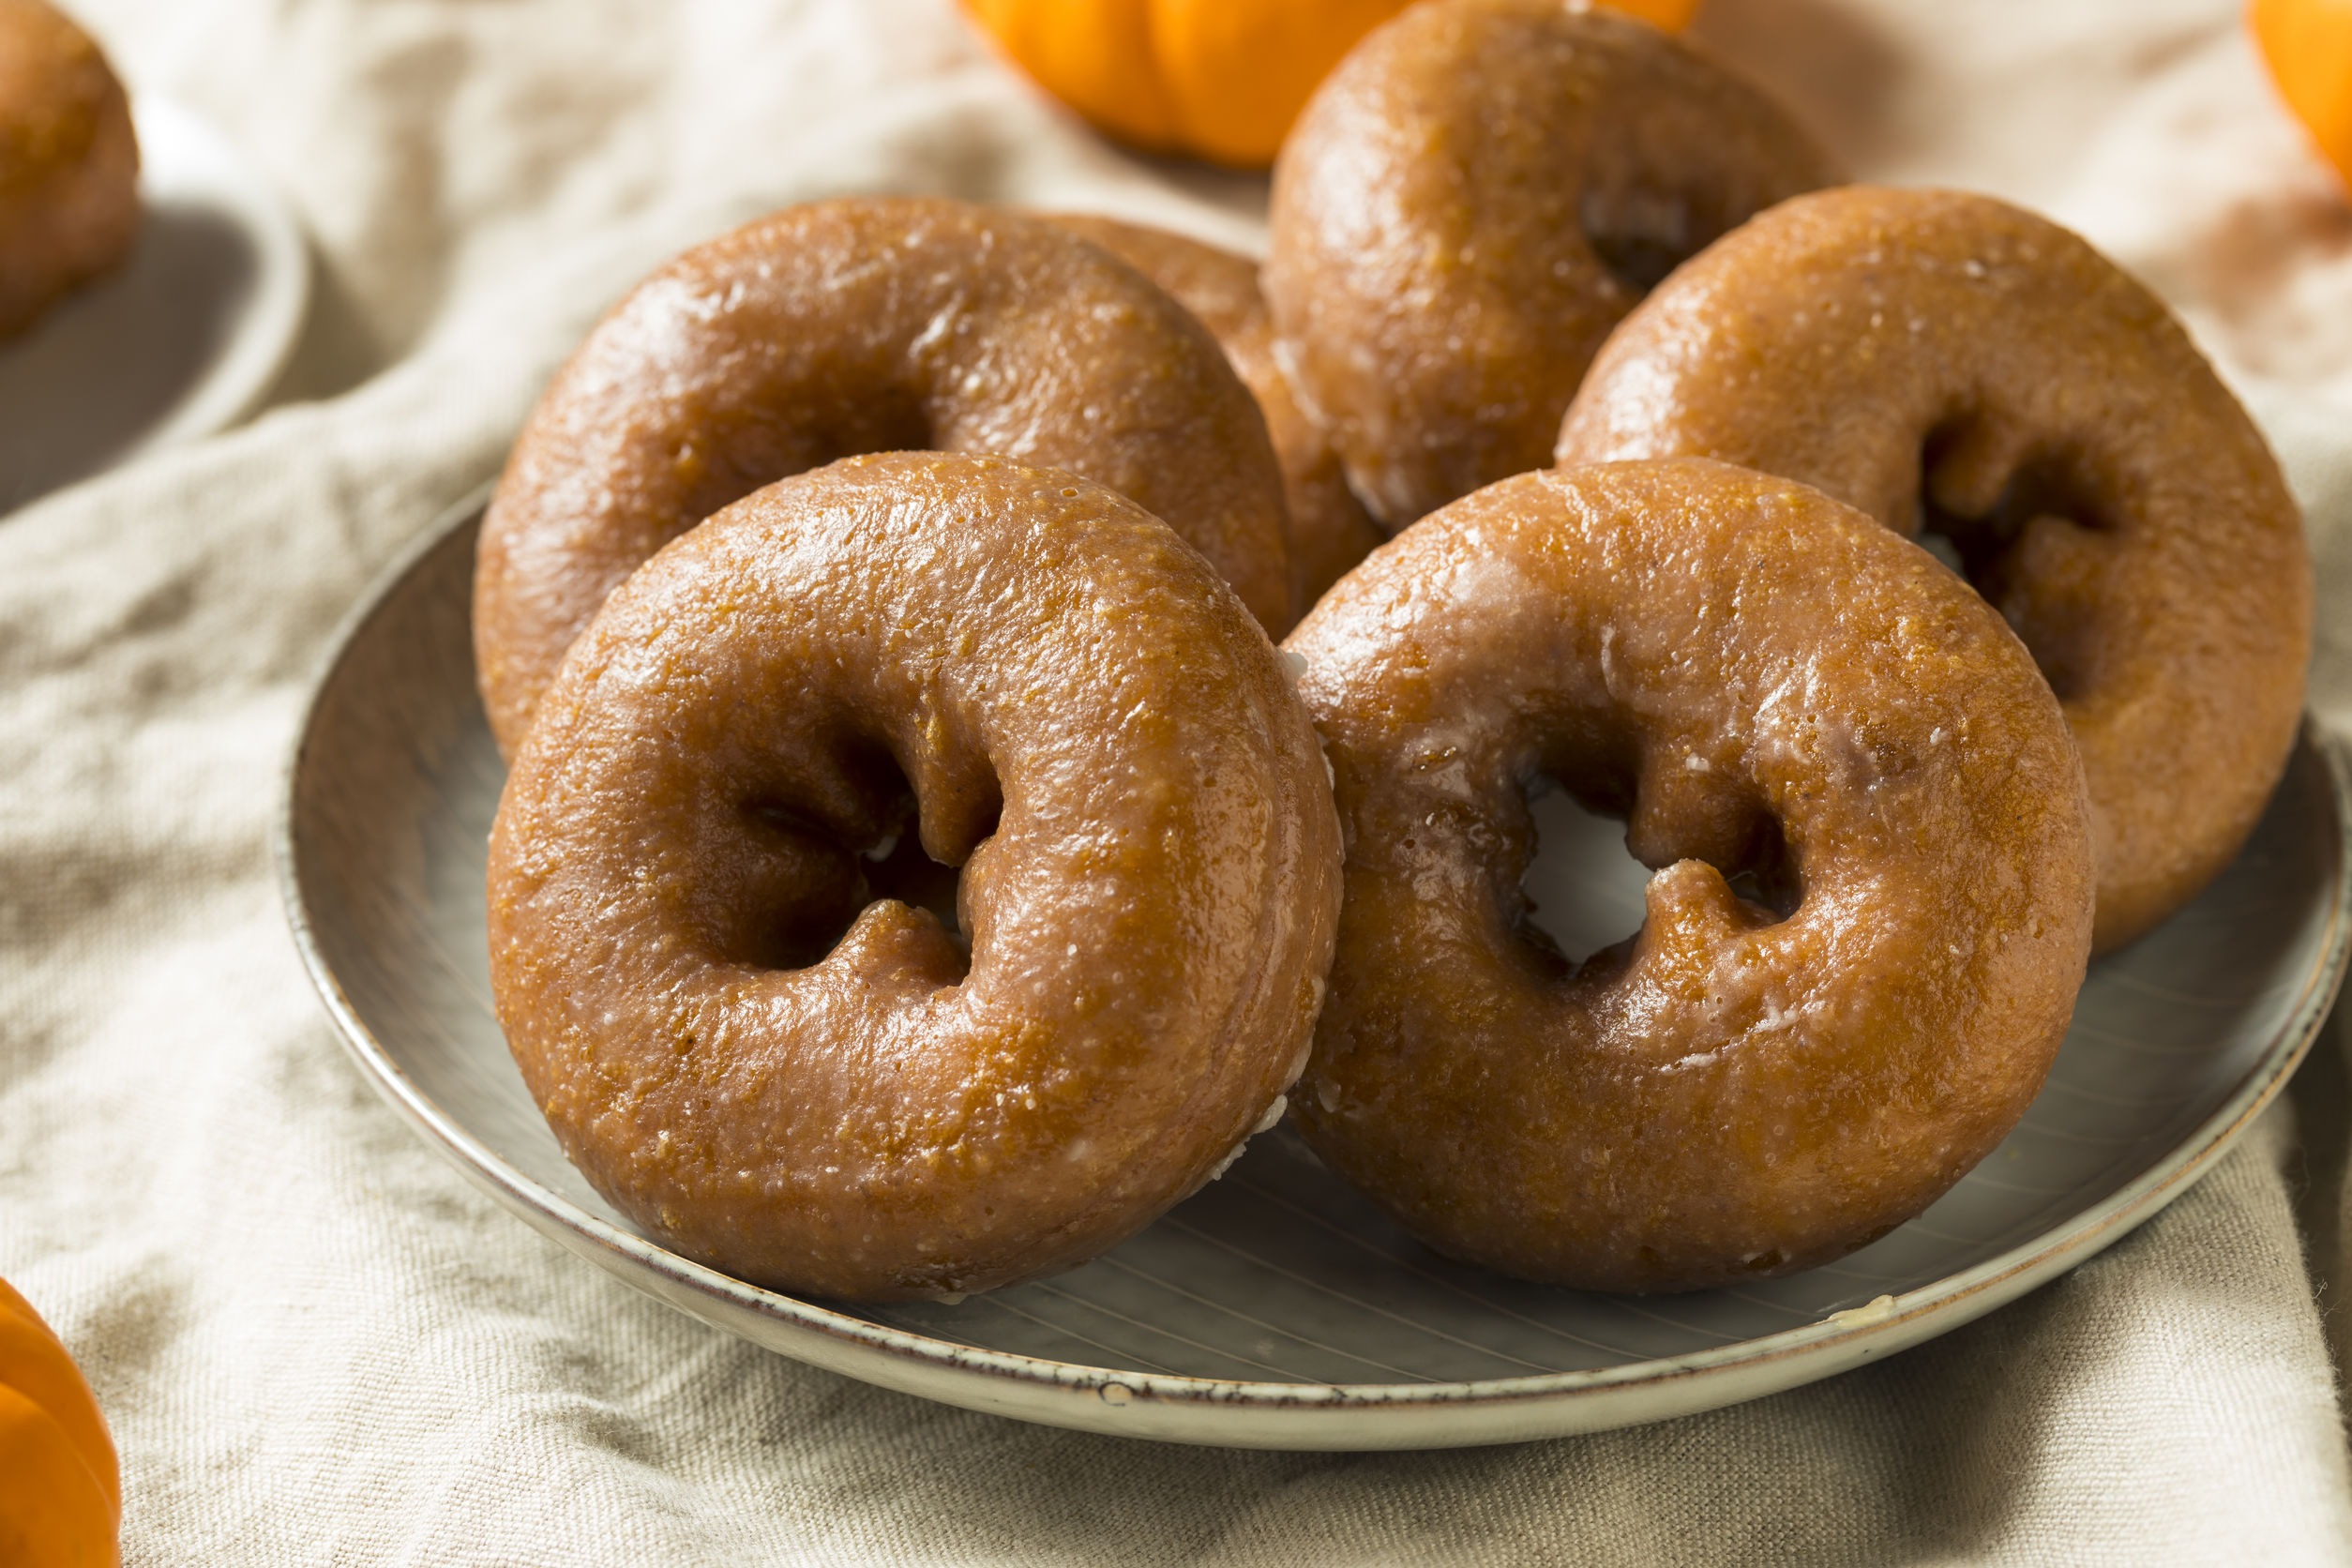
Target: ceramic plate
178,343
1276,1308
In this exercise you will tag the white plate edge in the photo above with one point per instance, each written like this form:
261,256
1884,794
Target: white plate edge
203,167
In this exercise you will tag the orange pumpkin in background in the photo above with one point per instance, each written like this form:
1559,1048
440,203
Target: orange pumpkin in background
61,1499
1217,78
2308,45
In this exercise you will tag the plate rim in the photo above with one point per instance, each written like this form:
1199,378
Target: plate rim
242,373
1843,1339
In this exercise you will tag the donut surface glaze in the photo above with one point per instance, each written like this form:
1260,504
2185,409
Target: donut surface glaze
1061,697
1329,530
1767,684
1471,201
861,325
69,162
1947,360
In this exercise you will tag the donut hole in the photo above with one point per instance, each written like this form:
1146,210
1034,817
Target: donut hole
1586,891
1640,233
900,868
827,868
1765,875
798,893
1981,521
1657,196
1639,261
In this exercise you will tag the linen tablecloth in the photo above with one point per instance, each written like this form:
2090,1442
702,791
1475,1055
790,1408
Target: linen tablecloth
317,1343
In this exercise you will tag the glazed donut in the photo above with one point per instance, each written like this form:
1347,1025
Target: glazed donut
1947,361
1061,697
1471,201
69,162
1766,684
1329,530
861,325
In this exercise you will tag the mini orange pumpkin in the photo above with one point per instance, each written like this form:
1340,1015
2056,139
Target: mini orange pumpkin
61,1496
1218,79
2308,44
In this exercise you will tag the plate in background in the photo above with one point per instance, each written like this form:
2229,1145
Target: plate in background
1276,1308
182,340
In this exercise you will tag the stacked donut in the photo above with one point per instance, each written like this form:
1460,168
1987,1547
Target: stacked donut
918,869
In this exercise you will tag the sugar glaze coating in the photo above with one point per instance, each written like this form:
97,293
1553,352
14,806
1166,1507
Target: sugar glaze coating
862,326
1936,357
1050,690
1469,202
1763,681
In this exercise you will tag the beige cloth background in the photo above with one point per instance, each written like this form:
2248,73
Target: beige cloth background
317,1344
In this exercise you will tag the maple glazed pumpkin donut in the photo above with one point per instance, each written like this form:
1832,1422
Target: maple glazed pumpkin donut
1764,681
1471,201
862,326
1947,360
1329,530
1087,720
69,162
